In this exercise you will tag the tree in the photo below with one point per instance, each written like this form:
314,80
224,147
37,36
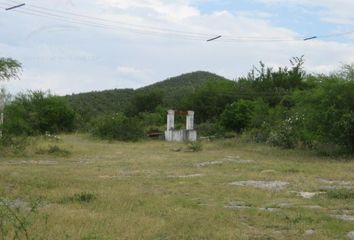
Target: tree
238,115
9,69
37,112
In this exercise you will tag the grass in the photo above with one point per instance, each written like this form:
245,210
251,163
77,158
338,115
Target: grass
147,190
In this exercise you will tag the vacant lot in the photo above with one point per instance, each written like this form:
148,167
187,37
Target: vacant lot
159,190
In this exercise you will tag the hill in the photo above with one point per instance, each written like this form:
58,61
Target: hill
176,88
173,89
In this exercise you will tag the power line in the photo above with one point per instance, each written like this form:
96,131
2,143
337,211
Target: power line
17,6
115,22
135,28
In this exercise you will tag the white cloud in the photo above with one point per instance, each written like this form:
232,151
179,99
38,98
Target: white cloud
334,11
74,58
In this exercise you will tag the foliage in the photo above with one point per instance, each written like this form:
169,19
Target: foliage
341,193
82,197
93,104
195,146
155,119
145,103
272,85
210,101
54,150
89,106
177,88
9,69
209,129
328,112
13,145
37,113
118,127
238,115
15,222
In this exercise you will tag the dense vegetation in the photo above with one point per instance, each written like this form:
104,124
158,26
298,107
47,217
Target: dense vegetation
283,107
36,113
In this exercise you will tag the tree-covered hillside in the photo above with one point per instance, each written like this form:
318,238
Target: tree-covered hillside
177,88
91,104
173,91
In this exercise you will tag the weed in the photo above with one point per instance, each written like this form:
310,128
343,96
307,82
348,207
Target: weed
55,151
341,193
195,146
83,197
15,222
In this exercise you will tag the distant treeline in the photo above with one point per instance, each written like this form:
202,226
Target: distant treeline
284,107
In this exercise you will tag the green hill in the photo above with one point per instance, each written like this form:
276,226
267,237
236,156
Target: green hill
174,89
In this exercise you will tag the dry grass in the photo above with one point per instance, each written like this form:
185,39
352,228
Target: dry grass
147,190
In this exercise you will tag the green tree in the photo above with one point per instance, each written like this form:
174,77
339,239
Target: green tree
238,115
145,102
36,113
9,69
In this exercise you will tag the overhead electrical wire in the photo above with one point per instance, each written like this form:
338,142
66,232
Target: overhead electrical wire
97,22
140,29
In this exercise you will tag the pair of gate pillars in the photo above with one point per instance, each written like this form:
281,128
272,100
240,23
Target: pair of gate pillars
188,134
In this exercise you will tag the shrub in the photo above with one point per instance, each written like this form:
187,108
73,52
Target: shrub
210,129
118,127
54,150
11,145
195,146
328,112
238,115
82,197
37,113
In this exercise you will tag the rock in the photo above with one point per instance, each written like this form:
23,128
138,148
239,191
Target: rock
270,185
345,217
188,176
350,235
227,159
237,205
308,195
269,209
336,184
310,232
313,207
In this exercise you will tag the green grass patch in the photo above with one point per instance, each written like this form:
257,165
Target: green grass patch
341,194
54,150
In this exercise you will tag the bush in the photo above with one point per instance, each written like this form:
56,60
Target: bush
37,113
11,145
238,115
210,129
195,146
328,112
118,127
54,150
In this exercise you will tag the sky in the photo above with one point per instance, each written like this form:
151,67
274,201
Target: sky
72,46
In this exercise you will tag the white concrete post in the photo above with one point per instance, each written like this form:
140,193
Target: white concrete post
190,120
170,120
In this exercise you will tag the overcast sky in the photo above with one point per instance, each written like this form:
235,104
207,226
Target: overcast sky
133,43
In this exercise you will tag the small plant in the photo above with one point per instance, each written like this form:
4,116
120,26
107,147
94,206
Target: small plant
195,146
341,194
10,145
55,151
83,197
15,222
